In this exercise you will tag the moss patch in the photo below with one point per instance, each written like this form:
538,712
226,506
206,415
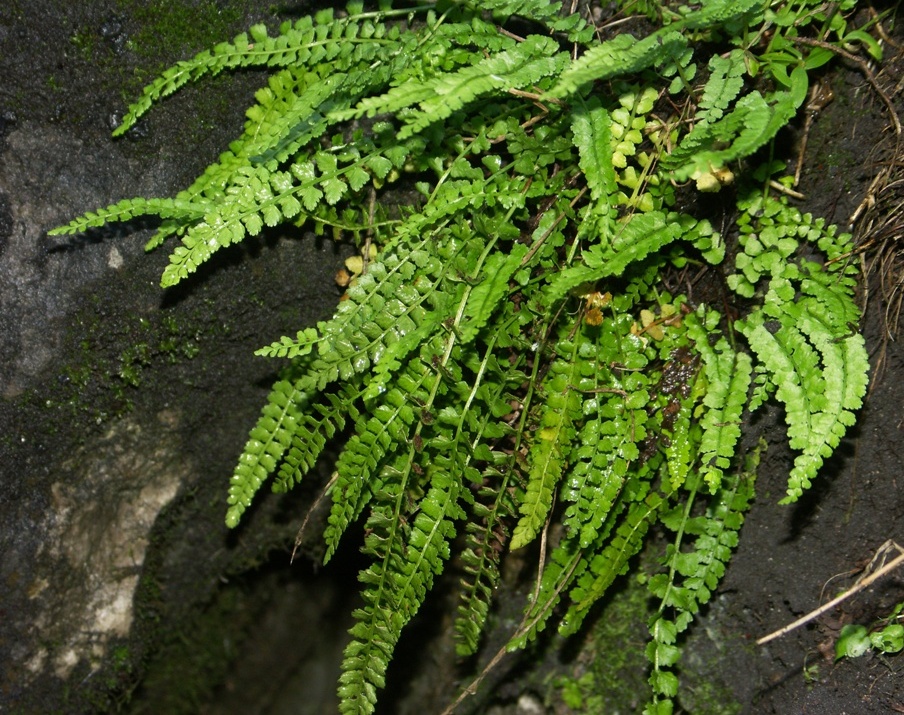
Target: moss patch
610,673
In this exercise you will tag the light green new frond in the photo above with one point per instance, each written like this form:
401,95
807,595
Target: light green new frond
794,366
128,209
844,370
522,66
803,336
771,233
620,56
820,377
723,86
287,347
552,443
835,293
267,443
310,41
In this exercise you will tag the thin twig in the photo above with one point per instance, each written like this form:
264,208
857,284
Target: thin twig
865,583
785,190
509,33
304,524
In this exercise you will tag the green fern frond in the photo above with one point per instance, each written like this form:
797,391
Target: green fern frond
486,295
514,338
321,421
681,452
416,90
612,560
487,538
128,209
384,319
728,377
754,121
286,347
387,424
377,624
567,563
267,443
635,238
820,377
802,336
591,127
553,441
395,586
310,41
542,11
302,117
618,57
723,86
608,442
693,574
522,66
713,13
493,506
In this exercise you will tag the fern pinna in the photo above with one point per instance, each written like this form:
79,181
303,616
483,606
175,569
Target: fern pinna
511,354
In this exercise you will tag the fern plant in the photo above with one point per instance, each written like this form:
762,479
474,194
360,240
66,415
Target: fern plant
511,354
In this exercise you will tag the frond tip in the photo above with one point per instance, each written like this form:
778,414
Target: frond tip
266,445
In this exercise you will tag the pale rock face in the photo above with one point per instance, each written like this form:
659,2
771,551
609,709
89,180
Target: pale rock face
97,535
39,278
